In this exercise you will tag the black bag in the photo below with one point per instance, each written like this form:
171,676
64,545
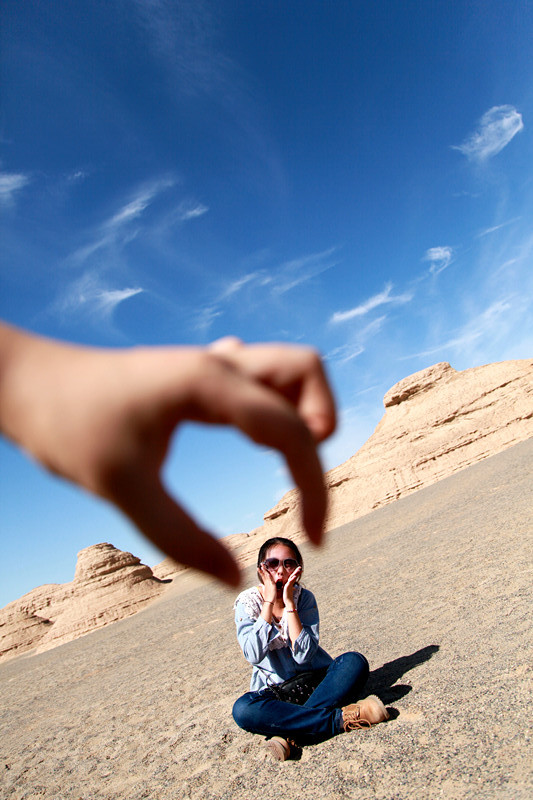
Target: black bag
300,687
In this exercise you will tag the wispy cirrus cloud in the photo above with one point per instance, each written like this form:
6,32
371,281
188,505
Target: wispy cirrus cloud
345,352
439,258
495,228
184,38
119,228
191,210
257,278
264,283
479,327
131,210
356,346
188,40
494,131
91,296
10,184
383,298
293,273
78,175
134,208
206,315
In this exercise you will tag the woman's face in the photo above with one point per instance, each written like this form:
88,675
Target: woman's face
287,563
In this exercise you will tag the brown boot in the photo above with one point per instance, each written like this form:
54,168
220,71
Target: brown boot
364,714
282,749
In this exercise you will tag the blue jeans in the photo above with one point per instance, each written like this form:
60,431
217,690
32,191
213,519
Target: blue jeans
320,718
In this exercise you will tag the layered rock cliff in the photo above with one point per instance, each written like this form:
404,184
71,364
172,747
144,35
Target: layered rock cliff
108,585
436,422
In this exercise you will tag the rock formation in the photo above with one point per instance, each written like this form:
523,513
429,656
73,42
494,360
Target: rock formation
436,422
108,585
167,569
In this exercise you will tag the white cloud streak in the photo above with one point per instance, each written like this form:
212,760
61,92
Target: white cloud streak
130,211
77,175
10,183
496,128
205,318
383,298
347,352
236,286
188,210
210,312
481,326
89,295
135,207
118,228
440,258
106,300
299,270
275,282
495,228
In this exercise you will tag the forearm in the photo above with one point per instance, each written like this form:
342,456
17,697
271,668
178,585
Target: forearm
294,624
267,610
253,640
306,643
24,360
46,402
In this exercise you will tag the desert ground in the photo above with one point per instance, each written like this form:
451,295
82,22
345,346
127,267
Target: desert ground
434,588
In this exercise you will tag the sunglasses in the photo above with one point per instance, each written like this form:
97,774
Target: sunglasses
290,564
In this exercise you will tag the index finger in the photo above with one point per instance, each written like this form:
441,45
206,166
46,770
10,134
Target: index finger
296,372
268,419
294,575
265,571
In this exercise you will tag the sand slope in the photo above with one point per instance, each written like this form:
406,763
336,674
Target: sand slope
435,589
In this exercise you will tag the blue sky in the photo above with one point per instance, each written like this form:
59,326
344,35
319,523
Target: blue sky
352,175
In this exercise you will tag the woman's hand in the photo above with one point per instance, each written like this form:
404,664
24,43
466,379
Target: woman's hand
269,590
269,593
104,419
288,589
294,623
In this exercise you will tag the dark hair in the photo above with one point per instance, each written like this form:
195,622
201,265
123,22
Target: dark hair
265,547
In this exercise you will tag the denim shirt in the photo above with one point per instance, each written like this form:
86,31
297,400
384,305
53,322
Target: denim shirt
275,664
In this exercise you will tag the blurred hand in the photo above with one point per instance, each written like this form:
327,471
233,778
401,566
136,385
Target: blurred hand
104,419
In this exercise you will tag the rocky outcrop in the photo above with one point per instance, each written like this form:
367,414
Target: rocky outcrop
108,585
167,569
436,422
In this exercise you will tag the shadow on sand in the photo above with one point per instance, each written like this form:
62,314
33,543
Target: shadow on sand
382,681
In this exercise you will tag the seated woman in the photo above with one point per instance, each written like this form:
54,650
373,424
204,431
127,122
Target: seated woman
277,629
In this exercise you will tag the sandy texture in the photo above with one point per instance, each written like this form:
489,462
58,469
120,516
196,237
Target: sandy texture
435,589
